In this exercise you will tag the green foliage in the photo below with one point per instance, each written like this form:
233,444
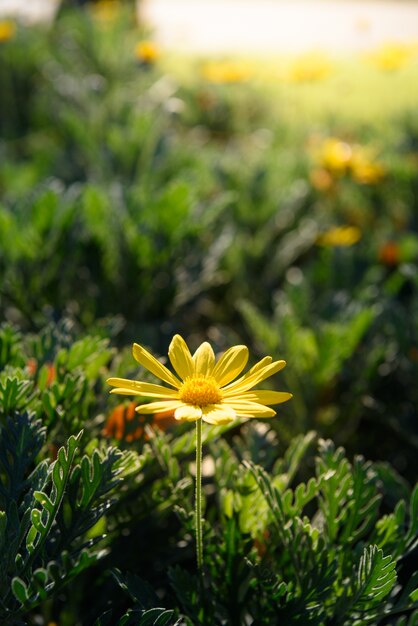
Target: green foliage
196,206
173,203
48,508
280,544
310,556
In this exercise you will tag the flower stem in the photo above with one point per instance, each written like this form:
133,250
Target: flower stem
198,518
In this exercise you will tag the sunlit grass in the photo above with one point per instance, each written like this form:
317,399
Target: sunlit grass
352,91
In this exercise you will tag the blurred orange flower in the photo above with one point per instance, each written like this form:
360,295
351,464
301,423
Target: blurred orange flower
260,544
321,179
413,353
125,424
389,254
32,367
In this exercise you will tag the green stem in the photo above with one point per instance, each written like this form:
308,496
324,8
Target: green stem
198,518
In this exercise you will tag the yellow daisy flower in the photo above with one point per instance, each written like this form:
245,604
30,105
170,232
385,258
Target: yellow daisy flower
202,388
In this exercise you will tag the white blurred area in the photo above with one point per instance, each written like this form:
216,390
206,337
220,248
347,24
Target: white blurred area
29,10
262,26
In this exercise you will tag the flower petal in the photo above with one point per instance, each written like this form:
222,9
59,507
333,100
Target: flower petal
230,365
120,391
147,360
188,412
180,357
251,409
259,365
157,407
255,368
262,397
137,388
250,379
218,414
204,360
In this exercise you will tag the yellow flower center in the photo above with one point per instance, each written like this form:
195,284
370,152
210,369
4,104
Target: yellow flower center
200,391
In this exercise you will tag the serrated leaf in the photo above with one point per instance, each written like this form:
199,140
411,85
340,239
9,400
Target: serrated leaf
376,576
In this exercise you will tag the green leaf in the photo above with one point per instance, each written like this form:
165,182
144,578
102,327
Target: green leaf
139,590
362,503
61,469
20,590
335,480
414,595
375,577
15,395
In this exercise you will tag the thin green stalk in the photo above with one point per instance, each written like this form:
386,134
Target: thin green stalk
198,518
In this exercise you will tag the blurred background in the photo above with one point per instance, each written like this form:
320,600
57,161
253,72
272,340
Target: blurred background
238,172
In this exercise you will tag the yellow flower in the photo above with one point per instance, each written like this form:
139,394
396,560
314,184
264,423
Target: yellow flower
227,72
7,30
204,389
340,236
364,170
335,155
105,11
340,158
146,52
392,56
312,66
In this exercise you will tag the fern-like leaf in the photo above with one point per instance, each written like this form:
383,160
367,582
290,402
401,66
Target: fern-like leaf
372,582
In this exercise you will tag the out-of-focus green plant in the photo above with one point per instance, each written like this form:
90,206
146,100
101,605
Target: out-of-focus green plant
350,343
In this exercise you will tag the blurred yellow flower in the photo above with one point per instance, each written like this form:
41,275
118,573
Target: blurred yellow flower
340,158
392,56
340,236
105,11
205,389
227,71
7,30
365,171
335,155
310,67
147,52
